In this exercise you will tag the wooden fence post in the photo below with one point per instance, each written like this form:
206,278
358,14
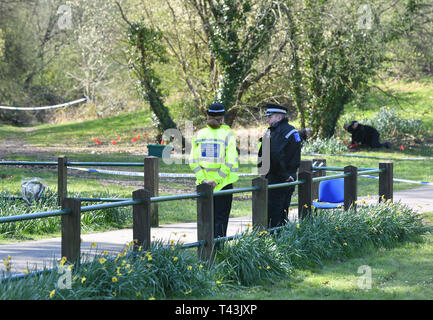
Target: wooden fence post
305,165
71,230
260,203
151,183
205,222
141,220
350,187
386,181
317,173
304,194
62,180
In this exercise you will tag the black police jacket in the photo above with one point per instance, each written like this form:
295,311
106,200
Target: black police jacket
285,150
363,134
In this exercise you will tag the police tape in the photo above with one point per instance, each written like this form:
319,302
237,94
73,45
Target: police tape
364,156
396,179
403,180
191,175
141,174
67,104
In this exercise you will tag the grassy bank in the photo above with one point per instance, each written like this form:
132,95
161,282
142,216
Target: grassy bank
252,264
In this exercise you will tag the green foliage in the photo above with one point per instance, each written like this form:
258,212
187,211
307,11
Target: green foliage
90,221
251,259
391,125
163,271
336,234
256,257
326,146
238,31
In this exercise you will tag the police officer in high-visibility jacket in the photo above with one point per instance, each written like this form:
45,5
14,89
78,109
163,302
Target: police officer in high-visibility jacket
284,148
214,160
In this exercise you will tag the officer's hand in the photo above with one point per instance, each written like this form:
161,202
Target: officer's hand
211,182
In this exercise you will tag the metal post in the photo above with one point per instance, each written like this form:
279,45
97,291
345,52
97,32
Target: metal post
151,183
62,180
205,222
386,180
350,187
305,198
71,230
141,220
260,203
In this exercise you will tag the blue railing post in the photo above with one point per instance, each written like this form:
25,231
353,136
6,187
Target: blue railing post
71,230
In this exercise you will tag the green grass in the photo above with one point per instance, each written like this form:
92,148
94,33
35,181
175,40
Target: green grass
259,265
410,99
82,134
400,273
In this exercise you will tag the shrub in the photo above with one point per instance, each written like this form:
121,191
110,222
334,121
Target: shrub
251,259
390,125
319,145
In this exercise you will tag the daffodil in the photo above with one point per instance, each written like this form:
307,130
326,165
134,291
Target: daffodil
336,228
297,225
93,245
152,298
52,293
114,279
189,268
175,258
102,260
83,279
62,262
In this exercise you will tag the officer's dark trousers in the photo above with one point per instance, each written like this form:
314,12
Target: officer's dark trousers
278,202
222,207
375,142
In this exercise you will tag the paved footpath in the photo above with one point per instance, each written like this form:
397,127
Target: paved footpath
34,255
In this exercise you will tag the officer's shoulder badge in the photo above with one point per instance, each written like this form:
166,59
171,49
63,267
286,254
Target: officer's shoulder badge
295,134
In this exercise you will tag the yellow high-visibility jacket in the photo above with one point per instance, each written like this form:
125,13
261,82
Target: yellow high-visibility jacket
214,156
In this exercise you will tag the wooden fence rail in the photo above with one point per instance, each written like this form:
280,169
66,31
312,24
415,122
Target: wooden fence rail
145,201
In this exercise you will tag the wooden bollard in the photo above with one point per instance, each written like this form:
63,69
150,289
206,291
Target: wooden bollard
350,187
305,199
260,203
386,181
62,180
151,183
141,220
205,222
71,230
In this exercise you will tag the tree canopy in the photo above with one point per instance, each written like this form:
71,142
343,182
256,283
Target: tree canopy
314,56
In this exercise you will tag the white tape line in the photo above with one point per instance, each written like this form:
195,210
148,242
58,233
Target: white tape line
396,179
46,107
404,180
363,156
141,174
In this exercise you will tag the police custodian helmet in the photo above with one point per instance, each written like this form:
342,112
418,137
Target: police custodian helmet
274,108
216,109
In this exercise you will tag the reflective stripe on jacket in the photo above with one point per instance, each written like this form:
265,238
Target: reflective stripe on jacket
214,156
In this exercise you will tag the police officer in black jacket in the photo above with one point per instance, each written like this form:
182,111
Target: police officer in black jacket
284,158
365,135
